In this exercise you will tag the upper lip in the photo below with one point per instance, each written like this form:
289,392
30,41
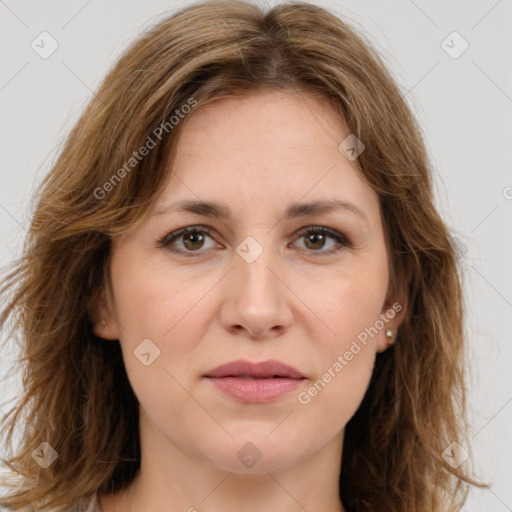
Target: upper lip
269,368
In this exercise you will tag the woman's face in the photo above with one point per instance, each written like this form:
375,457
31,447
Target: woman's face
263,283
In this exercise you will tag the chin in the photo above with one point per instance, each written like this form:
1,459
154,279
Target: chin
257,453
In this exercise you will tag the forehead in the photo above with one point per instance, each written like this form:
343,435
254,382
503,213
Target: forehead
257,123
263,147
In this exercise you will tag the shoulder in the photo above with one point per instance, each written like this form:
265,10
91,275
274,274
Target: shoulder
86,504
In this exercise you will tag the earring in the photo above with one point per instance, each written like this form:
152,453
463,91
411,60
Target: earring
103,322
389,336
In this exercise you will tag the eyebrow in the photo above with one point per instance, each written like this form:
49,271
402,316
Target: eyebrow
293,210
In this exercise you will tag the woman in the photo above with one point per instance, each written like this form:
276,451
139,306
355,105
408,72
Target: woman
236,291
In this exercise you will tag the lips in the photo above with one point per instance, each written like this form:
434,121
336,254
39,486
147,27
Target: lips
255,383
263,370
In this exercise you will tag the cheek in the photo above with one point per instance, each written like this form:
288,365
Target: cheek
351,307
332,399
352,300
154,303
345,359
152,300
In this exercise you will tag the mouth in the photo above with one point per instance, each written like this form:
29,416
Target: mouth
255,383
270,369
250,377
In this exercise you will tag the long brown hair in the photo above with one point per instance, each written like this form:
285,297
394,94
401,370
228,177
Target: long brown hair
77,396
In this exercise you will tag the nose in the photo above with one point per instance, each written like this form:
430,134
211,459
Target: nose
257,300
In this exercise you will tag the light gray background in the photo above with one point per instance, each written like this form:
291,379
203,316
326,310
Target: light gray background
464,105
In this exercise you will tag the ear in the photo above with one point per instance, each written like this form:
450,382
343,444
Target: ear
393,313
103,319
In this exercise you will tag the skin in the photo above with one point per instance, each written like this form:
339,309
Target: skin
294,303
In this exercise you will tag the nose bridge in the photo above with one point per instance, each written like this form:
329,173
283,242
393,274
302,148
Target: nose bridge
256,300
252,269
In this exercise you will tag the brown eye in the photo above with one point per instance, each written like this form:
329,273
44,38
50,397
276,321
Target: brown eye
189,240
193,241
323,240
315,241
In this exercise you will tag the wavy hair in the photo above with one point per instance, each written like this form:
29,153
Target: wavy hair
77,396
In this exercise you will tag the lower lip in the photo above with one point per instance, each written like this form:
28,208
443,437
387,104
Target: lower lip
256,391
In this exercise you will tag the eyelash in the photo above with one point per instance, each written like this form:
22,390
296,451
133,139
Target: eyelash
167,240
